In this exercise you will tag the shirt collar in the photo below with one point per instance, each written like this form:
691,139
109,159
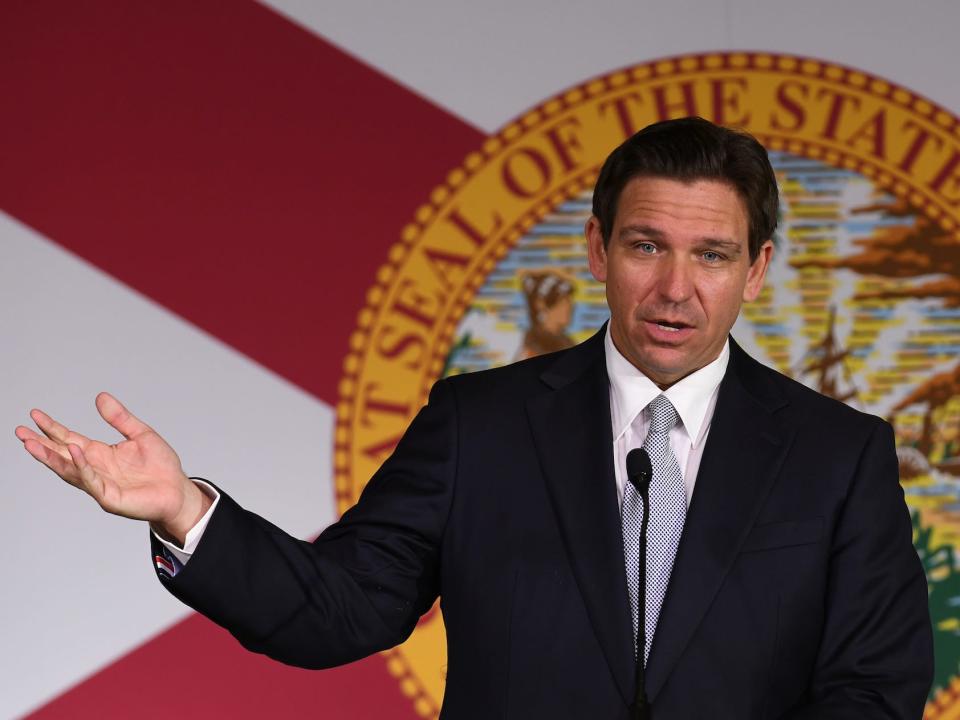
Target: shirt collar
631,391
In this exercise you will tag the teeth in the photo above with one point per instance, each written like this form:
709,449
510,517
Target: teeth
667,327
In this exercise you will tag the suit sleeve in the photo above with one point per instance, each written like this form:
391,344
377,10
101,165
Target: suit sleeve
361,585
876,654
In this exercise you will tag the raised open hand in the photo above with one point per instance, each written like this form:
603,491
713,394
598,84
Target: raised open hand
139,477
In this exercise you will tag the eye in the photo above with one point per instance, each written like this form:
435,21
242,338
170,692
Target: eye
712,257
647,248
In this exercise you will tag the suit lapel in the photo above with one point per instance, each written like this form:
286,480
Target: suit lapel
739,465
572,433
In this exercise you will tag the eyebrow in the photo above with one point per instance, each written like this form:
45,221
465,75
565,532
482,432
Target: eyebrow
731,247
644,230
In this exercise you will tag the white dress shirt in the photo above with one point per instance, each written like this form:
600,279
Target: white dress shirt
694,398
183,554
631,391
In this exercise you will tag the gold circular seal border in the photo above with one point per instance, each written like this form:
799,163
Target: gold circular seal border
495,146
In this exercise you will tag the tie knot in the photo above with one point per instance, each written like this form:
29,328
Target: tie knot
663,416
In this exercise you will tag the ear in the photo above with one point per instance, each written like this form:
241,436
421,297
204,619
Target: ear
596,250
757,272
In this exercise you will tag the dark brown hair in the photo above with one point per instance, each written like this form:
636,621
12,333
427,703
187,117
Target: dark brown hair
690,149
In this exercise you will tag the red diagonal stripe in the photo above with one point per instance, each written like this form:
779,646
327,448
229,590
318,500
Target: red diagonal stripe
196,670
237,169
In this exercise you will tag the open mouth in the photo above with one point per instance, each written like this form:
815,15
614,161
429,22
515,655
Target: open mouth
670,326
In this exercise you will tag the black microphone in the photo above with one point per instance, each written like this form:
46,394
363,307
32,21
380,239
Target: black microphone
639,469
639,472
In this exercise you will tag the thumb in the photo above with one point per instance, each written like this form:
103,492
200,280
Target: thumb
121,419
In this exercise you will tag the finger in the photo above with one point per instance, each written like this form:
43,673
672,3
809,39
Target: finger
62,467
119,417
89,479
25,433
56,431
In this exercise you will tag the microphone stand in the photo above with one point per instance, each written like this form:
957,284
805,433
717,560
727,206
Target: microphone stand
639,473
641,707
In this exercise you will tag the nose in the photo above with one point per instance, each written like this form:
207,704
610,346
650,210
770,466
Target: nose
675,281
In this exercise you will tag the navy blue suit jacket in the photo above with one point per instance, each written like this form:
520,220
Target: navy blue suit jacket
796,591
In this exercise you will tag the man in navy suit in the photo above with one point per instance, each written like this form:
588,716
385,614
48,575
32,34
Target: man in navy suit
793,587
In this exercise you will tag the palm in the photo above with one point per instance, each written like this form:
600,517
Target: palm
139,477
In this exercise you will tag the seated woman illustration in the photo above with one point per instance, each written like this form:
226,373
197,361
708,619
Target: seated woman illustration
549,296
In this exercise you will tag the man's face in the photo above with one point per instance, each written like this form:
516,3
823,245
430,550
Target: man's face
677,269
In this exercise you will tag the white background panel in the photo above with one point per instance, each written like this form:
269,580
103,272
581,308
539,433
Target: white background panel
489,61
68,332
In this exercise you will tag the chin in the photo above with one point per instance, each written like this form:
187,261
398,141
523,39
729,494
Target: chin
667,366
657,367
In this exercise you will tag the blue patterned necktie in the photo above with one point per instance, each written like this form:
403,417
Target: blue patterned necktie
668,510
